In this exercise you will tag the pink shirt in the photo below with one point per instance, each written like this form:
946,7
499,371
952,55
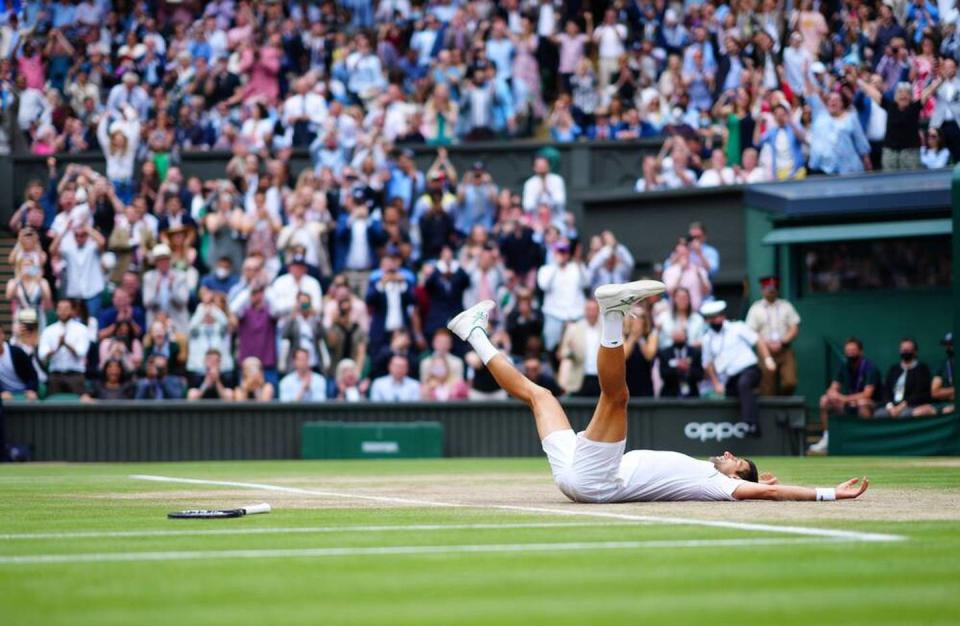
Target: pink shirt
264,73
693,279
571,51
32,69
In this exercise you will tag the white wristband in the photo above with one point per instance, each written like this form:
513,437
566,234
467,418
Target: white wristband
825,494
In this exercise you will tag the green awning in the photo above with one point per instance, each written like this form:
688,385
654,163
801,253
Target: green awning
848,232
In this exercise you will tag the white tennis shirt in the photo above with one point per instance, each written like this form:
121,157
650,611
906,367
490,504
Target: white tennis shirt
650,475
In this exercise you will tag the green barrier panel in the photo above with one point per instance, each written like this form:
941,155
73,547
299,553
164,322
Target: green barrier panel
372,440
922,436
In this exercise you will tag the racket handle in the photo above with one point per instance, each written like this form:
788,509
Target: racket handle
253,509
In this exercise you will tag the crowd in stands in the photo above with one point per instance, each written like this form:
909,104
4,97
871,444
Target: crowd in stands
742,90
337,282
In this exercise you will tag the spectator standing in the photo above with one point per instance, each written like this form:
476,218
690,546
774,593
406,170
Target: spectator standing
730,363
346,338
209,332
304,331
390,298
284,293
610,38
901,146
577,353
166,291
907,385
28,290
783,141
837,142
853,391
256,329
946,111
680,315
640,351
545,188
119,140
681,367
63,349
122,346
524,326
477,197
445,287
302,384
562,282
777,323
485,276
396,386
159,384
611,264
684,271
942,388
17,375
79,249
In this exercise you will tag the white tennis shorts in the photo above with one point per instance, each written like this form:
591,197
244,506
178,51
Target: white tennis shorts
584,470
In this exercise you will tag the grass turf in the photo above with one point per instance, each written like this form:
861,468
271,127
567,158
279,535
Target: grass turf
910,582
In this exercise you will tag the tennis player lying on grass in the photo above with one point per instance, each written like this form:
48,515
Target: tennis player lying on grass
591,466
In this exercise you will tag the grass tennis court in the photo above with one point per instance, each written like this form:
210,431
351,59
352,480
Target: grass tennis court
468,542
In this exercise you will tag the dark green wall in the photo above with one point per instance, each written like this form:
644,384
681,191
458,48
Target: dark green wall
880,320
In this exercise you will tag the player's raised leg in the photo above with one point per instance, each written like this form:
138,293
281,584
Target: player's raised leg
609,421
471,326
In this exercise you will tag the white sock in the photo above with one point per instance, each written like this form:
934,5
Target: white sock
482,346
611,329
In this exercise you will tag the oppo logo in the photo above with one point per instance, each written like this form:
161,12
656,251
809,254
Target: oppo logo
715,431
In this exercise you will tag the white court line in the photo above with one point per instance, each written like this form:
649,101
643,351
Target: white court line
582,511
98,534
299,553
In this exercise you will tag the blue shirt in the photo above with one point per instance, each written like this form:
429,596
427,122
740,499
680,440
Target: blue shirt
837,144
290,386
386,389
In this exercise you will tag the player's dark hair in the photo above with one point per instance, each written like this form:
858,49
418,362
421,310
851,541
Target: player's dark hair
854,340
750,474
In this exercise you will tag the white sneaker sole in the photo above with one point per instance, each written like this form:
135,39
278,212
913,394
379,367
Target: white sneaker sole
471,318
614,296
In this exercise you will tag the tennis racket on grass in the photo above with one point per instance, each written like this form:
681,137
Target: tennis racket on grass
220,513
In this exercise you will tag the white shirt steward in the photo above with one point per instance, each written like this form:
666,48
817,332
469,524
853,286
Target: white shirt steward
591,471
730,351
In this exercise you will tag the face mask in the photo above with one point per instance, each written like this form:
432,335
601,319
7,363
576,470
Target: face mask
717,326
32,271
907,355
304,306
679,344
852,360
222,272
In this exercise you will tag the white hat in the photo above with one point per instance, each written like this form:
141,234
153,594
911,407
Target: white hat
714,307
160,250
818,68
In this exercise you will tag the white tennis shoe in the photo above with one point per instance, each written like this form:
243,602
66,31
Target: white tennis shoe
474,317
620,297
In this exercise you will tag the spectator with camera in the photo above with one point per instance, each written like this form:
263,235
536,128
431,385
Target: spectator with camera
158,383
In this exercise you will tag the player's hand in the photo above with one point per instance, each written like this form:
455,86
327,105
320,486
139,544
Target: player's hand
852,488
767,478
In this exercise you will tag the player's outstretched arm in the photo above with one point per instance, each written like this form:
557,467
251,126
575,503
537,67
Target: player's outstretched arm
759,491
